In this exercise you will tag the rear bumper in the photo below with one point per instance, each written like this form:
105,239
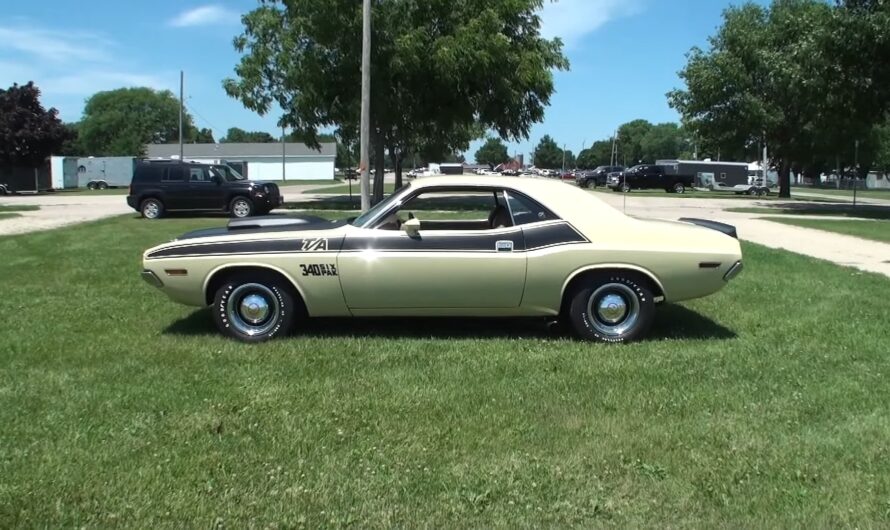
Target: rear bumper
131,202
733,271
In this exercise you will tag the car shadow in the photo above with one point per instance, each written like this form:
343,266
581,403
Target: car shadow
672,322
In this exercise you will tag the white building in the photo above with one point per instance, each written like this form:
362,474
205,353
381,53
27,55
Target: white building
273,162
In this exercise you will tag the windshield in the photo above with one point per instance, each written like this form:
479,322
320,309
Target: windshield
380,207
228,173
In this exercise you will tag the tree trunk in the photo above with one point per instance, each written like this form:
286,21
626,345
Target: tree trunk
379,168
397,164
785,180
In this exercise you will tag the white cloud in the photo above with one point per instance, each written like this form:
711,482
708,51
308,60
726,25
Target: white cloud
57,46
68,66
204,16
573,20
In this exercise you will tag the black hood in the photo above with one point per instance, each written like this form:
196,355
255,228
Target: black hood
267,224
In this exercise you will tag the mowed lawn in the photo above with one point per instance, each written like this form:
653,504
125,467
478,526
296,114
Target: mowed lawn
866,229
766,405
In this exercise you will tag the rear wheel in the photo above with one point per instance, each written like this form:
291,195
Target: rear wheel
102,186
254,308
679,188
241,207
152,208
91,185
616,307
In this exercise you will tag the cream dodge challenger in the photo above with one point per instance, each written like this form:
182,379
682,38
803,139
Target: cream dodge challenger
450,246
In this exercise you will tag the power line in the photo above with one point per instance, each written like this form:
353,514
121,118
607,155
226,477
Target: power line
199,115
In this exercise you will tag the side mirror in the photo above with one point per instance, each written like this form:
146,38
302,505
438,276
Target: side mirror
411,227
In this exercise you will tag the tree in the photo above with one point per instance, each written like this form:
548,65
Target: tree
236,135
548,154
630,141
493,152
598,154
121,122
664,141
770,75
202,136
28,132
442,71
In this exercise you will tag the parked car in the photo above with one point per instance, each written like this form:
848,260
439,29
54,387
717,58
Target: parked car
537,249
169,186
647,176
597,177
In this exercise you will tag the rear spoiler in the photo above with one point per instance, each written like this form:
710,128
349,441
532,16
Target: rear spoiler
713,225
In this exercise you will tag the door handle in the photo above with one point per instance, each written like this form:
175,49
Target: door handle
504,246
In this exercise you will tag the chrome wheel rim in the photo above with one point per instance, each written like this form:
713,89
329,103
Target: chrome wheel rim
253,309
151,210
613,309
241,208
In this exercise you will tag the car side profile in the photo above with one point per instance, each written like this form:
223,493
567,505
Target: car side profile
597,177
173,186
450,246
649,176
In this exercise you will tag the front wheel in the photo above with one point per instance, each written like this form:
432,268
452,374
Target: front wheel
241,207
625,188
615,308
254,309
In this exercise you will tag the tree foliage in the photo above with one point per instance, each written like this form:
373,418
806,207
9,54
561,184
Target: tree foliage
121,122
442,71
493,152
236,135
801,75
28,132
548,155
598,154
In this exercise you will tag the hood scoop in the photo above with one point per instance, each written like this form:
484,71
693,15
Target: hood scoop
272,221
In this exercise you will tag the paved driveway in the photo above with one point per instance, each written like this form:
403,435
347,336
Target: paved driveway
61,209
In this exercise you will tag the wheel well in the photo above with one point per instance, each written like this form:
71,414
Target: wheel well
219,277
589,274
144,198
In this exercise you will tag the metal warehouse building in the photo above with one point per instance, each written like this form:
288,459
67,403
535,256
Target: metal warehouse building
275,162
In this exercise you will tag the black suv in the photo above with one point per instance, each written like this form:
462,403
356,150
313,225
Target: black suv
648,176
170,186
597,177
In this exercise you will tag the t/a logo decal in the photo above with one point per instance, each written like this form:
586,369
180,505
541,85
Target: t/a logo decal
315,245
319,270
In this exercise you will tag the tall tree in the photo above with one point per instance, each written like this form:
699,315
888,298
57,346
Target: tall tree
598,154
202,136
630,141
28,132
763,78
237,135
548,155
121,122
493,152
443,71
664,141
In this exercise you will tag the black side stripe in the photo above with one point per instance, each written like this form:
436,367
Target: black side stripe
524,239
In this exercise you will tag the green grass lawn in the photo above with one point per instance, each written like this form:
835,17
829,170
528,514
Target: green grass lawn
321,182
766,405
388,187
8,215
833,210
18,208
108,191
864,194
874,230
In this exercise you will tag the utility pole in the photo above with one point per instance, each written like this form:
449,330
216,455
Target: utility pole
765,167
563,159
366,107
855,172
283,154
181,105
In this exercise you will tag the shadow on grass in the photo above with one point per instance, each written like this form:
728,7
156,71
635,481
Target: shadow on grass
671,322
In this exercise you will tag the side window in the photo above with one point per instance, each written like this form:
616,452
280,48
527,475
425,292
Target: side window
526,211
198,174
172,173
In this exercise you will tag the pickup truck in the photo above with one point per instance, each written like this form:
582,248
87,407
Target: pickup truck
645,177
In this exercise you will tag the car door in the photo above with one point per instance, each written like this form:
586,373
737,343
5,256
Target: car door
175,187
207,188
447,264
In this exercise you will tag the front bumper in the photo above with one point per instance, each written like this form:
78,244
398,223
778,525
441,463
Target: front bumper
151,279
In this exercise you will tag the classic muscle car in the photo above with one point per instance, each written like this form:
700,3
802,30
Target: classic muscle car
450,246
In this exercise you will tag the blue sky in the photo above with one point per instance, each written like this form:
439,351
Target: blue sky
625,55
